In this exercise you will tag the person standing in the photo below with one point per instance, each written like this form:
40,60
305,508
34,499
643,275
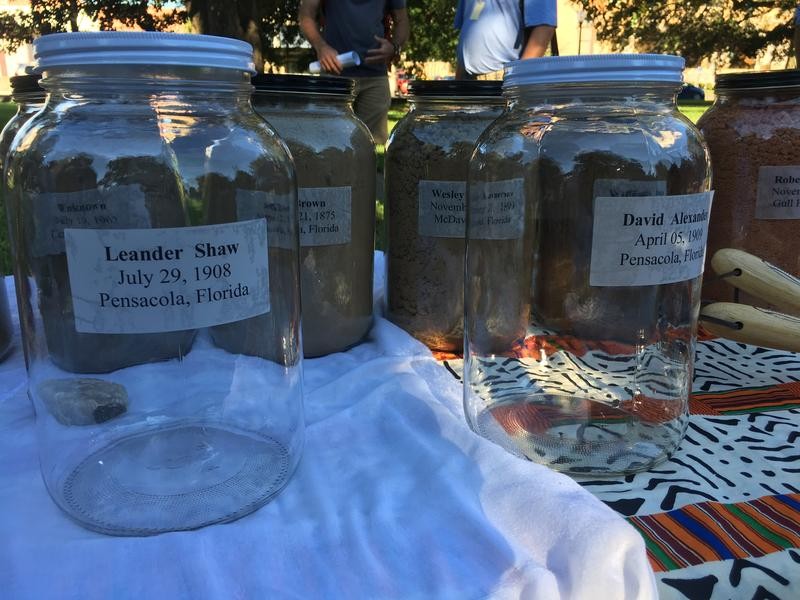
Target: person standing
360,26
496,32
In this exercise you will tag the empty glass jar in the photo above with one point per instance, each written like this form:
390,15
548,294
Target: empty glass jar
334,158
157,246
587,222
427,160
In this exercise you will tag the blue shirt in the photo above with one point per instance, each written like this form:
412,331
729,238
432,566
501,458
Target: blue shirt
353,25
491,30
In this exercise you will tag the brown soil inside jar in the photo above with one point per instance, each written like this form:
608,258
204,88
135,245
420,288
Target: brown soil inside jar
425,274
742,139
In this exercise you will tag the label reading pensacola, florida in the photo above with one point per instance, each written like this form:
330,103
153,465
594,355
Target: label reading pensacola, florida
171,279
778,193
649,240
324,215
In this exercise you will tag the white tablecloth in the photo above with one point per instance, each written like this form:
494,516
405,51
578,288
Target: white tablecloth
395,497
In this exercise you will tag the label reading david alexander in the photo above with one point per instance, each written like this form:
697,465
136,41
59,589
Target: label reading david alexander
778,193
648,240
442,208
157,280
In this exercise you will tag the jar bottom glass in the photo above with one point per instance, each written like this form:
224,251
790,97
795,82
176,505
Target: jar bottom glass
177,478
579,406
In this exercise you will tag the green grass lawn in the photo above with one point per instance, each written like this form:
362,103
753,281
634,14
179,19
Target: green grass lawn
7,110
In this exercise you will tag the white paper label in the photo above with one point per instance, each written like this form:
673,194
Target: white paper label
118,207
324,215
251,204
778,194
497,210
649,240
170,279
442,208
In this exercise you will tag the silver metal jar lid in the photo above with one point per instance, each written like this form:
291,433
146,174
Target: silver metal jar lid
141,48
595,68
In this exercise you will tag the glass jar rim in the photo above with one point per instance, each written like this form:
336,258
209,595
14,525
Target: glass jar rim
764,80
120,48
455,89
595,68
311,84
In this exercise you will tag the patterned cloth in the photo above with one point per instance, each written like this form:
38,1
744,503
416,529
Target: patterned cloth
721,518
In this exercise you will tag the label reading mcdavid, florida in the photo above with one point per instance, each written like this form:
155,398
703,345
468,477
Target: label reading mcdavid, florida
497,210
324,215
275,208
122,206
778,194
154,280
648,240
442,208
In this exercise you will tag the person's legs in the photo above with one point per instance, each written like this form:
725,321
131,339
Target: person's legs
372,105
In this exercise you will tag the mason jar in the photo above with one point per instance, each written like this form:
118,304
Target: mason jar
753,136
134,253
427,159
29,98
334,158
587,221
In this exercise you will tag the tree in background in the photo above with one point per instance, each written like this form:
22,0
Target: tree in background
54,16
736,31
432,34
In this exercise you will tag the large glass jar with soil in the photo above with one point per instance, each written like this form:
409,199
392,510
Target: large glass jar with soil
152,416
587,221
427,159
753,136
29,98
334,158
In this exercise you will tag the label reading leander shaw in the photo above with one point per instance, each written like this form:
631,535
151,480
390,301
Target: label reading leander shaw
324,215
497,210
778,194
170,279
442,208
122,206
649,240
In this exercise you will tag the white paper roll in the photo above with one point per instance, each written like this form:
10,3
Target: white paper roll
347,59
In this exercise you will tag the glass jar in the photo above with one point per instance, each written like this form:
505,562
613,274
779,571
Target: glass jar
148,421
427,159
29,98
587,222
753,136
334,158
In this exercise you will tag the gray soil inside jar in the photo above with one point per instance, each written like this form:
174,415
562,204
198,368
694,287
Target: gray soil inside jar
68,348
335,279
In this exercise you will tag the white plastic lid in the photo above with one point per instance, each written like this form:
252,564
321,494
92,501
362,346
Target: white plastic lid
141,48
593,68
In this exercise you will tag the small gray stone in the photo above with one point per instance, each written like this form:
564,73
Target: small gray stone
83,401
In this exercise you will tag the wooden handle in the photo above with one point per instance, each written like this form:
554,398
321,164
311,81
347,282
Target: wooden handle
752,325
759,278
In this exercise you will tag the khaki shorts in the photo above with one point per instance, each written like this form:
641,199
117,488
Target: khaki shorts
371,105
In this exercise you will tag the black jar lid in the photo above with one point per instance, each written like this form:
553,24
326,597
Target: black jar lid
25,84
310,84
762,80
452,88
